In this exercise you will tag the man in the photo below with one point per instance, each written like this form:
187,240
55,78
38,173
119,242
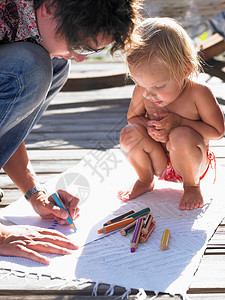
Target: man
36,40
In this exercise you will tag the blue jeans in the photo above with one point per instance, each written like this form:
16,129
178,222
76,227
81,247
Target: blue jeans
29,79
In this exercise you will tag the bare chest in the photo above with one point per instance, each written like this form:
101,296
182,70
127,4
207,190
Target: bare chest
183,106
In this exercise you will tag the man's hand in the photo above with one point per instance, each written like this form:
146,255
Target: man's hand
46,207
28,241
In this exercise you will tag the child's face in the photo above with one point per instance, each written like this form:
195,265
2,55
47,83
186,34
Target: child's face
157,85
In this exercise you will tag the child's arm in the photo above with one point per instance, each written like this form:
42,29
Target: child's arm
136,112
211,125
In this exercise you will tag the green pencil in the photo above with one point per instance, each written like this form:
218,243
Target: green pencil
139,213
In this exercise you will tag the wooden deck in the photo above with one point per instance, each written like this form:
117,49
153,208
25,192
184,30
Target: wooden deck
74,123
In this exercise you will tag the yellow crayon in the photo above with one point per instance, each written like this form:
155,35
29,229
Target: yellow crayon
165,239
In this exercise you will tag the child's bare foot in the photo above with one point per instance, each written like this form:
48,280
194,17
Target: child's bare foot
137,189
192,198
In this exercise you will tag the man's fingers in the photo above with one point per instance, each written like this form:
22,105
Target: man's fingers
23,251
55,241
48,248
58,212
70,202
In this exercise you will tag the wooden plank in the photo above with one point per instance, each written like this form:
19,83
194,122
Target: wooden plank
72,144
218,143
209,296
96,82
212,46
218,238
215,68
68,154
6,182
94,98
210,274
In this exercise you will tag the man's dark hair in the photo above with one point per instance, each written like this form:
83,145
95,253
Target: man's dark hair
112,17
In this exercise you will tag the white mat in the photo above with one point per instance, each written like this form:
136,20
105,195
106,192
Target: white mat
96,181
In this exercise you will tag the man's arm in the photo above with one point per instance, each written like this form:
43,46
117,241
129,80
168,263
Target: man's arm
19,169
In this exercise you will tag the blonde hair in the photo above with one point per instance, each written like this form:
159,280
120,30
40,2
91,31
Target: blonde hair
167,40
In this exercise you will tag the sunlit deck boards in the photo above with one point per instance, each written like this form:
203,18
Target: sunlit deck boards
78,122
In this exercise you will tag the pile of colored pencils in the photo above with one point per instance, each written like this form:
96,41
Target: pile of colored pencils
140,222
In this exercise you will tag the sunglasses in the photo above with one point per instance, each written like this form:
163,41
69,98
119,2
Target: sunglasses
80,50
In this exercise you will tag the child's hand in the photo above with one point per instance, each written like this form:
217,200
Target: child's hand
162,127
157,135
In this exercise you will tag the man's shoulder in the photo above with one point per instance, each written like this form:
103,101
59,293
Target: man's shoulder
17,20
9,20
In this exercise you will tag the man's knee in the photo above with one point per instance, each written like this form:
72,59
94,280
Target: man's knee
26,75
29,62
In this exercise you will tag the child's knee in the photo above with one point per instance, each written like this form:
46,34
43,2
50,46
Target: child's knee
180,138
130,136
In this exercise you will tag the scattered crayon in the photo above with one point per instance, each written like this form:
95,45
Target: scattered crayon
144,237
128,228
136,235
147,225
60,204
115,226
118,218
140,213
165,239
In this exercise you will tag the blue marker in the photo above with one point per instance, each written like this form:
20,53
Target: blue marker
60,204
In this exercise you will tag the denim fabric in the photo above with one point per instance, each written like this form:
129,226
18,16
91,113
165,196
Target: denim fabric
29,79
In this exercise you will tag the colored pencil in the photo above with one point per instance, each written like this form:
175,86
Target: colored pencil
129,228
165,239
118,218
60,204
144,237
124,231
140,213
115,226
136,235
147,224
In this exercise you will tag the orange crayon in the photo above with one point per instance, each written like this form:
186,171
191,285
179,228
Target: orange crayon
115,226
165,239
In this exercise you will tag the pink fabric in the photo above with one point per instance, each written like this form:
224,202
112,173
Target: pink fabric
169,174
